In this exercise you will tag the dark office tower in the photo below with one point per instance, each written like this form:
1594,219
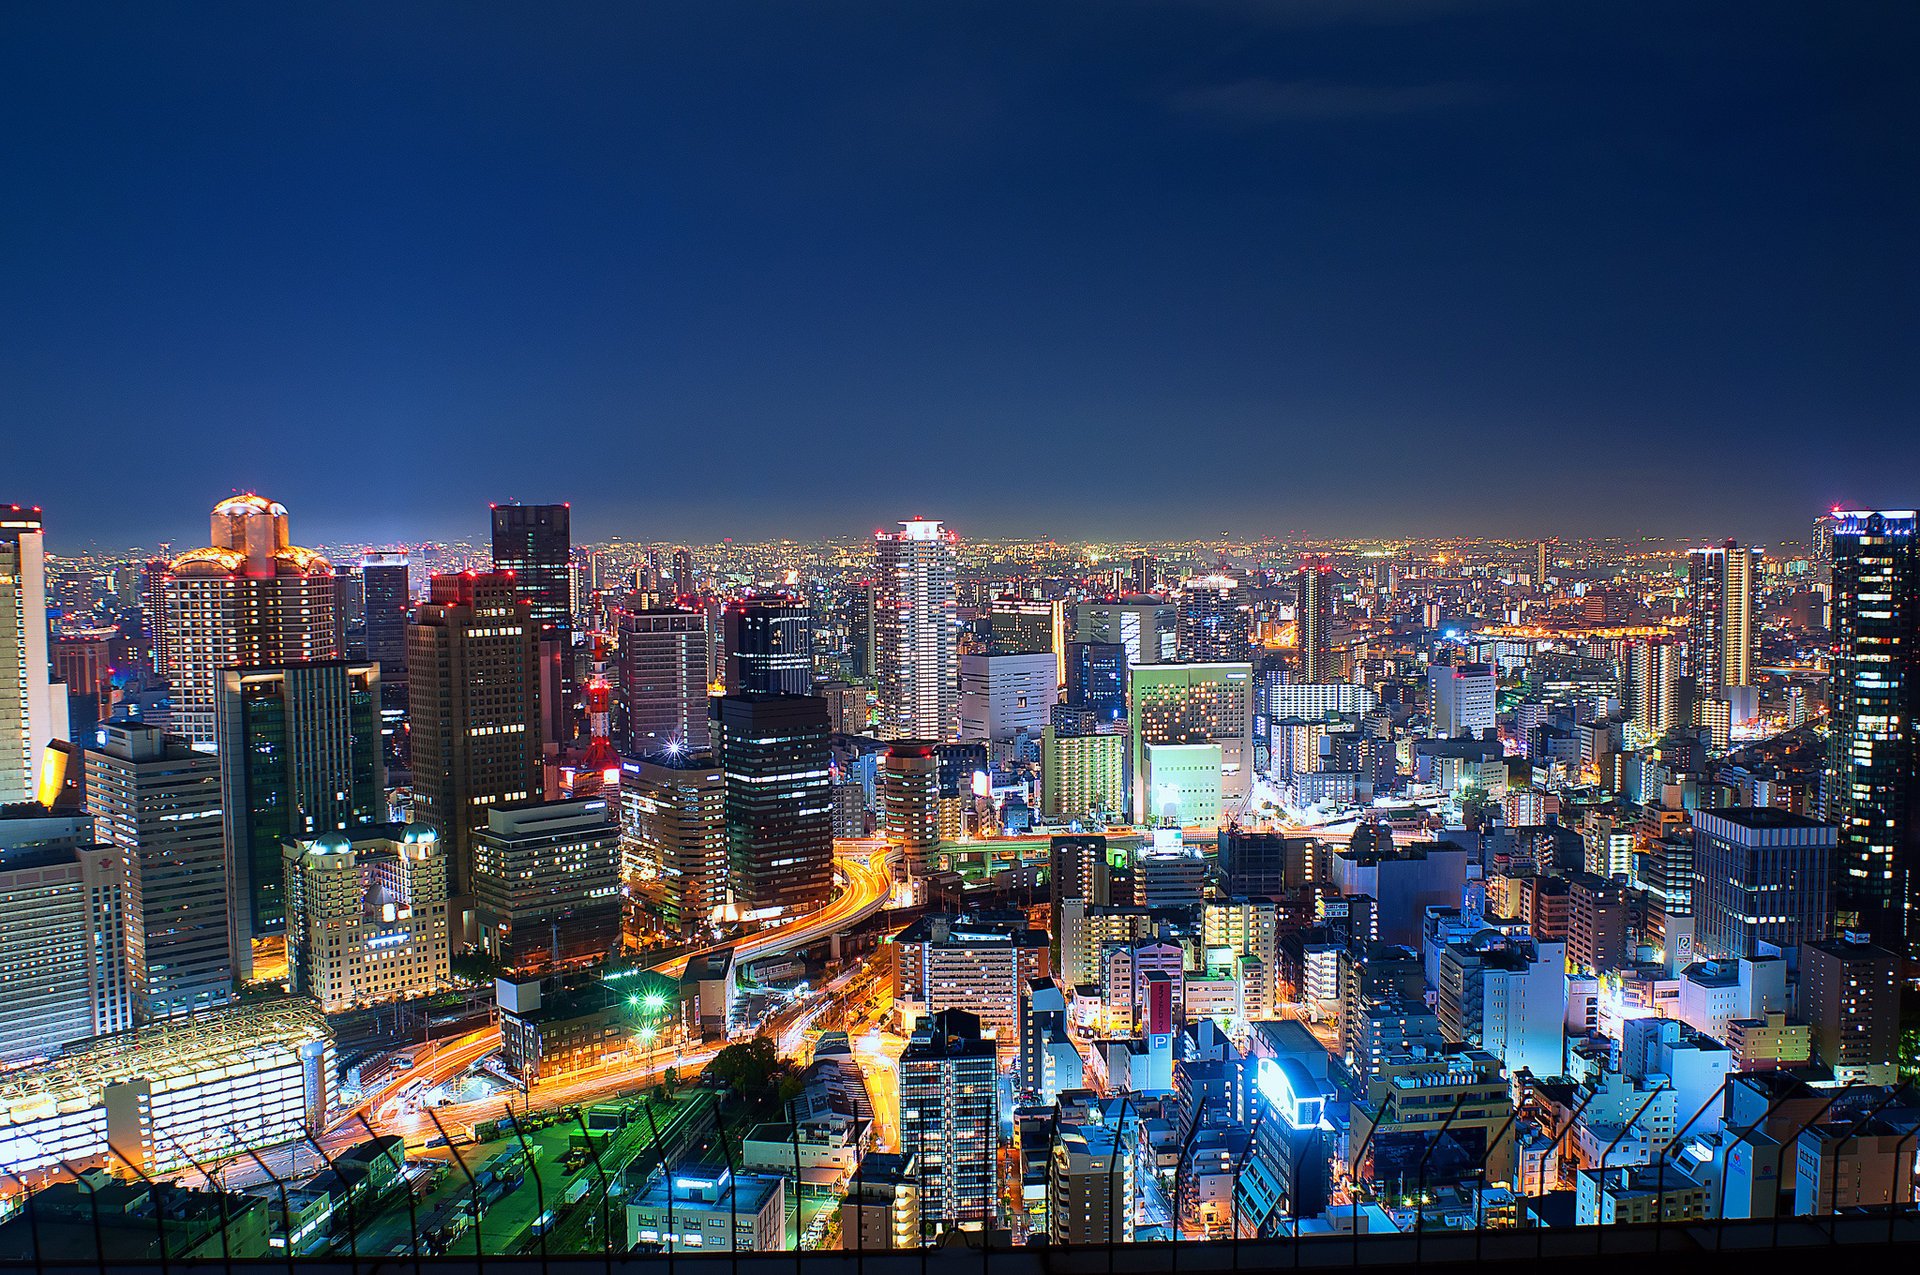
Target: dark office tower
1077,872
300,755
385,584
1873,792
663,683
769,645
1313,613
774,751
859,627
473,711
535,544
683,573
1212,624
1097,679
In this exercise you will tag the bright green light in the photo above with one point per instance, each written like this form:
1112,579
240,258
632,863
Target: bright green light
647,1034
656,1001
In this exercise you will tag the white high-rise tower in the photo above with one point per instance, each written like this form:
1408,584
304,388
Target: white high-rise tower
31,715
916,660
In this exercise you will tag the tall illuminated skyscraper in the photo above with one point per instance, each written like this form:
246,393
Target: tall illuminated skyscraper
1313,610
473,710
1722,639
250,597
1652,686
775,752
916,659
388,597
768,642
663,682
1212,625
1872,788
30,718
535,543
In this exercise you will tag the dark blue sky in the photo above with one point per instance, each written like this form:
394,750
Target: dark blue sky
1162,266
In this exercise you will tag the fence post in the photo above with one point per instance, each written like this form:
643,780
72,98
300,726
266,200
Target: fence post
32,1211
1353,1179
1420,1182
533,1171
1479,1215
479,1250
1899,1155
353,1212
93,1203
1833,1231
1720,1227
1114,1232
220,1195
1553,1153
1179,1178
1806,1124
1600,1232
153,1190
1253,1136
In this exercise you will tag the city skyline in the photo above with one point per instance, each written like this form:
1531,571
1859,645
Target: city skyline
1409,267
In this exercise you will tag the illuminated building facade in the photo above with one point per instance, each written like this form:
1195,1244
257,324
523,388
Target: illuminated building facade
1186,704
1313,615
534,544
774,751
1289,1168
1873,755
300,754
1722,639
367,916
1461,699
546,885
949,1120
389,596
910,803
664,677
673,838
251,597
1082,775
1096,679
1761,875
473,712
1148,627
1211,623
915,655
1005,696
768,642
1029,626
157,799
29,716
1652,685
66,972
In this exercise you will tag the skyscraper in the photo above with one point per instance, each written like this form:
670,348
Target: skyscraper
1761,875
949,1118
1003,696
1313,613
157,799
66,972
1148,627
1872,788
251,597
768,641
774,750
910,803
1212,625
388,597
546,884
1722,640
300,755
916,659
535,544
473,711
1028,626
673,838
1461,699
30,717
1652,686
1178,706
1097,679
663,682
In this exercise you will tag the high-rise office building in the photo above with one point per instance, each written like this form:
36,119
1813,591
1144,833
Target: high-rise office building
546,884
1850,996
535,544
768,640
1178,706
157,799
367,916
1313,617
683,584
1873,758
1652,686
673,838
910,802
949,1119
1212,625
1148,627
916,658
1097,679
1005,696
1461,699
1722,638
30,717
251,597
664,681
473,711
66,969
1761,875
775,752
388,598
300,755
1028,626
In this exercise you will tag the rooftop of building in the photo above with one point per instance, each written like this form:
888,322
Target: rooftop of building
1760,817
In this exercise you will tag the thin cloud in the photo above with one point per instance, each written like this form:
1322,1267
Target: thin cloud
1260,101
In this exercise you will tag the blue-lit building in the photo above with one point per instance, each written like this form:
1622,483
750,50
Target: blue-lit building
1097,679
1289,1169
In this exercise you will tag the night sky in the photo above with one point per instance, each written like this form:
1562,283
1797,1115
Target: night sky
1162,268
